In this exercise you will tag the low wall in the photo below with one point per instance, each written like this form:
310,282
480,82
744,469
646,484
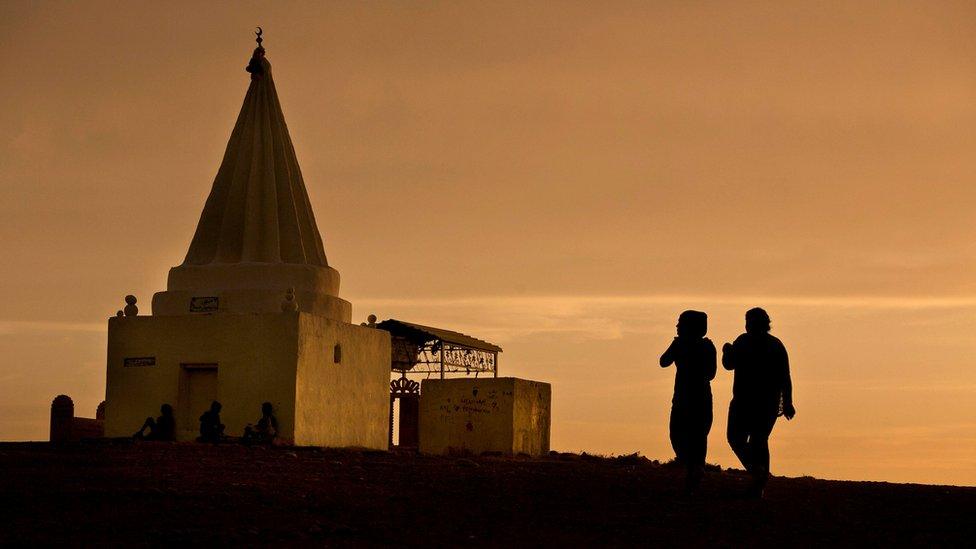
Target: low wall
505,415
65,427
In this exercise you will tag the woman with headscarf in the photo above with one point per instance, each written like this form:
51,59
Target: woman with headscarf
693,355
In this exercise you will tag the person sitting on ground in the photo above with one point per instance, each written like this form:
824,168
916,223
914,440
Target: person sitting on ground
211,429
694,358
161,428
266,430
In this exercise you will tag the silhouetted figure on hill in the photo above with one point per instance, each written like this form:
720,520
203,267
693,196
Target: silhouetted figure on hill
691,406
762,390
161,428
211,429
266,430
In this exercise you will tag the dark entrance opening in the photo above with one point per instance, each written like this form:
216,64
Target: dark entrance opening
404,413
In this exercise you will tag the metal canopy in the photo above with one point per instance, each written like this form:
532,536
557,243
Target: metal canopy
419,349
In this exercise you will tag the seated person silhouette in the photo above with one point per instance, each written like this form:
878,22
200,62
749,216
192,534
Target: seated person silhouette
161,428
266,430
211,429
693,355
761,391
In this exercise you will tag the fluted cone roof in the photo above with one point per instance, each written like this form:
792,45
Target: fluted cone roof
258,210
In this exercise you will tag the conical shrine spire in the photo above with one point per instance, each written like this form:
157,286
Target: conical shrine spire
258,209
256,241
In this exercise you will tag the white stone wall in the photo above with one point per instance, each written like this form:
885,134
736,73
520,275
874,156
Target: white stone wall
507,415
255,354
345,403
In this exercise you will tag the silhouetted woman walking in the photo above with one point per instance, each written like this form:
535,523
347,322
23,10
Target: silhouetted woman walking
693,355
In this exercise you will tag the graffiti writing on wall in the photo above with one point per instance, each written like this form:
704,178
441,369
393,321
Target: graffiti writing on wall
478,404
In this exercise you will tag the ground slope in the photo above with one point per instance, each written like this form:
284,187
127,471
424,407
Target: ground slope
157,493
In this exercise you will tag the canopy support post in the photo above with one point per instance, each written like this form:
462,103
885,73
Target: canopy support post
442,358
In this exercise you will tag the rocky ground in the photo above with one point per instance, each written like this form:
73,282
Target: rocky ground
166,494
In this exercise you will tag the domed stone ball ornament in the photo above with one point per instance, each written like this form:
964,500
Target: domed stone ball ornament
371,320
119,313
130,306
63,406
289,304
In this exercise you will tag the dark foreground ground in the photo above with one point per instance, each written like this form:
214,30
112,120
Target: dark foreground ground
169,494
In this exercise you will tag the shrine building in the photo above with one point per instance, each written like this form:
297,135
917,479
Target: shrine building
253,313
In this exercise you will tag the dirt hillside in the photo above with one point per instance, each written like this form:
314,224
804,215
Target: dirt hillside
164,494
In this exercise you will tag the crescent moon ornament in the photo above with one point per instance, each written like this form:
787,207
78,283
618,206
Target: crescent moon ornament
255,66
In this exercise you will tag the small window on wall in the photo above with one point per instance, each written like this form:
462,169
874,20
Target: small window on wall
337,353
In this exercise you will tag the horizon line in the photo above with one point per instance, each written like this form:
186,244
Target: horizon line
8,326
869,301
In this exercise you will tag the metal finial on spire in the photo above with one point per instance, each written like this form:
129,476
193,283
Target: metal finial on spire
255,66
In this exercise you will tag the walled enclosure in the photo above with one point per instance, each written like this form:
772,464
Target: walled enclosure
506,415
274,357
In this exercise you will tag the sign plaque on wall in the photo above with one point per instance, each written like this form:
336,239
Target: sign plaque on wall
204,304
132,362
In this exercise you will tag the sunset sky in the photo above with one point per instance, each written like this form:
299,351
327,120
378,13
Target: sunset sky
561,179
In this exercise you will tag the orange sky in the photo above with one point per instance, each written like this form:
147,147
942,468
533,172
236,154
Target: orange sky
562,181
